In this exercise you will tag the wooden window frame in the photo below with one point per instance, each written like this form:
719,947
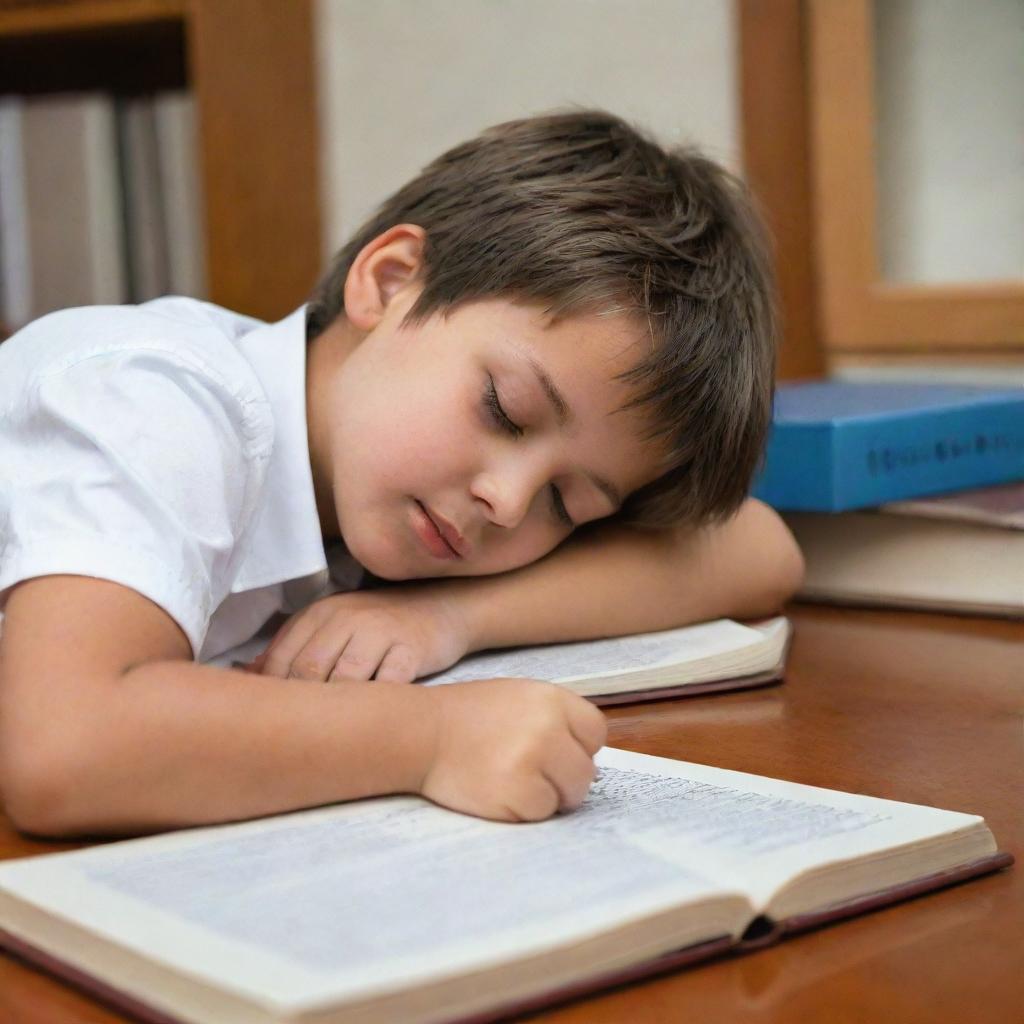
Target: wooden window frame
860,310
808,122
776,165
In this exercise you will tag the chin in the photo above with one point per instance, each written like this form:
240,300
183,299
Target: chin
388,573
373,555
375,561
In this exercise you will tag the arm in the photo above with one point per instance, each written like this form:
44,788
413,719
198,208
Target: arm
105,726
614,580
606,581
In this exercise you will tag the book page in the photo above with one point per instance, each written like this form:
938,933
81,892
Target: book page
372,895
589,659
757,833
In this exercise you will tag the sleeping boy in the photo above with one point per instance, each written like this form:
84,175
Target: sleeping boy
524,405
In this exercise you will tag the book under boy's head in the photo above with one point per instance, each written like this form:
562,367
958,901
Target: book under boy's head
838,445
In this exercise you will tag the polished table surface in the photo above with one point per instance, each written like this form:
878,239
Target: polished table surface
922,708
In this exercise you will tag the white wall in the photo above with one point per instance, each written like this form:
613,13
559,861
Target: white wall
950,143
403,80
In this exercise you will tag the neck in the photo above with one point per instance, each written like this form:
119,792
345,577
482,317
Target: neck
325,355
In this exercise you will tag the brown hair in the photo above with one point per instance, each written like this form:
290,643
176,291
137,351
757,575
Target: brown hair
581,212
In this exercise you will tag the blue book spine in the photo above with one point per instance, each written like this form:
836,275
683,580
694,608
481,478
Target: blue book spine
858,463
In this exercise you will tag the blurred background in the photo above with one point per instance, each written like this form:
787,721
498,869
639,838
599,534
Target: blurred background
225,148
432,73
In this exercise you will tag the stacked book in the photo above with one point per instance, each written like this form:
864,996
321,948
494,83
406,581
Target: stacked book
99,201
904,495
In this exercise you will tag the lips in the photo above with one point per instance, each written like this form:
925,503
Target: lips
450,535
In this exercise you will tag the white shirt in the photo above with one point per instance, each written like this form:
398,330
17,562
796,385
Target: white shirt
164,447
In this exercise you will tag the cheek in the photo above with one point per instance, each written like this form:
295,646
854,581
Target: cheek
429,426
387,447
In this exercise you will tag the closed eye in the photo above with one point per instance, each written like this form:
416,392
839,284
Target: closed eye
497,413
561,512
503,421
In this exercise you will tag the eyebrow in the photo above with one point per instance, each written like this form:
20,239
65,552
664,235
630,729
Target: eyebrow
565,415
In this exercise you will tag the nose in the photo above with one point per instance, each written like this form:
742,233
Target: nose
507,493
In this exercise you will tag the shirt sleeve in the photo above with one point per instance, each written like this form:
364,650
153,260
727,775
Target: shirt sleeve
143,466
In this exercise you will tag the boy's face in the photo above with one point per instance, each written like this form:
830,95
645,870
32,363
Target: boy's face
448,427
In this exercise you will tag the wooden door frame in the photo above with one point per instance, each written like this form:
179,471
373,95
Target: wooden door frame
775,138
807,86
860,309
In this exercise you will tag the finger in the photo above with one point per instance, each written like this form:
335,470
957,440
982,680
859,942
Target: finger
282,633
398,665
588,724
571,777
536,799
316,657
279,623
360,657
291,639
316,661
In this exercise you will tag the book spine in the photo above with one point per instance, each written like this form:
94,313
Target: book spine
142,199
178,155
70,190
102,203
15,255
863,463
948,450
795,467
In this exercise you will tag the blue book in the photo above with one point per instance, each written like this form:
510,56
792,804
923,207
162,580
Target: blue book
837,445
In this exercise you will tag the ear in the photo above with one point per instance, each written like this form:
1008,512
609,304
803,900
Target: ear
384,268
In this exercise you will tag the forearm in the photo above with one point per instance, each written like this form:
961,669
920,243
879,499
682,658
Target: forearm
173,743
616,581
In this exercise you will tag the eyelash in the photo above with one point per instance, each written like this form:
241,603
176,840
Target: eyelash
502,421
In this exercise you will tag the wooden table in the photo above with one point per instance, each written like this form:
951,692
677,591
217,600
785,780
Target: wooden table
923,708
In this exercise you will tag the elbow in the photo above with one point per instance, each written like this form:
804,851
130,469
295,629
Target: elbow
44,779
61,759
789,574
775,563
38,792
785,564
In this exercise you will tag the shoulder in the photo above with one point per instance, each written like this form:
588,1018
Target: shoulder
175,352
134,447
186,331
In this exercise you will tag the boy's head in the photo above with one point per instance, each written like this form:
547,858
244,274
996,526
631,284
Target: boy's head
646,271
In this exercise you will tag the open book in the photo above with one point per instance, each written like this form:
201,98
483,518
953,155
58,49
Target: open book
395,909
711,656
691,660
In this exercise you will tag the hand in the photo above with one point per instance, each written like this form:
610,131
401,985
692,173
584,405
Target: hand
511,749
393,635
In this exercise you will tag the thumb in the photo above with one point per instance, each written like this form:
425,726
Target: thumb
257,663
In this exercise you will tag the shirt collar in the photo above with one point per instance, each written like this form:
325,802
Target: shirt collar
286,541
